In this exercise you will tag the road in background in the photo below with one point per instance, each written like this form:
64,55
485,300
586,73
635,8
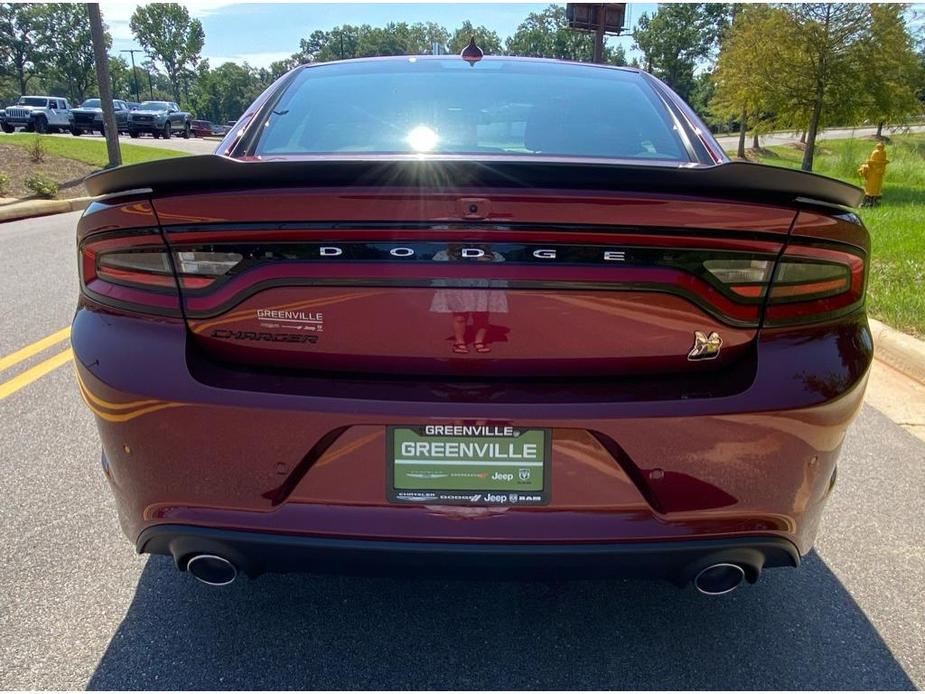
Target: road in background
194,145
78,608
729,142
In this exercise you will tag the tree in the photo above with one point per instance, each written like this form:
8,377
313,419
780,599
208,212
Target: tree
170,36
677,37
63,29
20,54
743,78
224,93
487,39
120,75
820,66
893,71
546,34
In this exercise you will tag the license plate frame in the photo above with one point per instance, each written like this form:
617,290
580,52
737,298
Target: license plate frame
457,486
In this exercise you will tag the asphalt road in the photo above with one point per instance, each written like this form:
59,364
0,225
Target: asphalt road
79,609
782,138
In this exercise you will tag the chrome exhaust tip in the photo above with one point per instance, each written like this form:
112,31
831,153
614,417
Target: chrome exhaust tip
719,579
212,570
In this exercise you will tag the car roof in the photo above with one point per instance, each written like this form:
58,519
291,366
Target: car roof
487,58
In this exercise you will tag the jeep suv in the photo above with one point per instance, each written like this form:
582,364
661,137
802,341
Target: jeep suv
41,114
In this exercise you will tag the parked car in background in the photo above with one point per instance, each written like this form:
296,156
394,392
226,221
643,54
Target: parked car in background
132,105
88,117
517,315
2,117
160,118
41,114
202,128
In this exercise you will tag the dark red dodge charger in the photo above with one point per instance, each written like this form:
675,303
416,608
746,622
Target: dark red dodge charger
434,316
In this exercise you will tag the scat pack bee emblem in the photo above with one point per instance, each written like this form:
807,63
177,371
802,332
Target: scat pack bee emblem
705,346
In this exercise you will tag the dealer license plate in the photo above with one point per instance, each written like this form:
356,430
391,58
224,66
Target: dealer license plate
470,465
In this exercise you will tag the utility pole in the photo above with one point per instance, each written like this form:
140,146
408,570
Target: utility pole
599,44
104,84
133,51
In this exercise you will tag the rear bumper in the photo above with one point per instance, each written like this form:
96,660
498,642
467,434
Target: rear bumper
192,443
255,553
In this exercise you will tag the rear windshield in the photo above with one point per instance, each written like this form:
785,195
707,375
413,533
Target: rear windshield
446,106
153,106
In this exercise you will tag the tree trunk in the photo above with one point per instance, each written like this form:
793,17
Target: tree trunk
880,130
21,78
803,137
755,143
103,82
811,132
740,153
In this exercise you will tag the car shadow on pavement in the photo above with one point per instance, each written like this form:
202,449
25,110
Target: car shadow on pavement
793,630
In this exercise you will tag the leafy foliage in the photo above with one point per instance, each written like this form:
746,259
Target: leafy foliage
546,35
487,40
20,47
64,29
223,93
893,73
170,36
42,186
678,37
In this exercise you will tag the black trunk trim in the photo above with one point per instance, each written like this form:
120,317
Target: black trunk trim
734,180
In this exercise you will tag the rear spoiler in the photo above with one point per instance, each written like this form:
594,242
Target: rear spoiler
734,180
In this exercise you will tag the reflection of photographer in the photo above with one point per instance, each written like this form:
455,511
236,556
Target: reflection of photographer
468,301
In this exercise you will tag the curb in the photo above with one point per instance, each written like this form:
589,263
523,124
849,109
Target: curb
903,352
40,208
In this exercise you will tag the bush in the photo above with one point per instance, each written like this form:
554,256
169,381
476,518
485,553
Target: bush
42,186
37,150
4,183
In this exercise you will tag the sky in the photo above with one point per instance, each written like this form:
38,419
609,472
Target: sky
263,33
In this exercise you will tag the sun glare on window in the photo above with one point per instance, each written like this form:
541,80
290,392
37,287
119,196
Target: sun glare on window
422,139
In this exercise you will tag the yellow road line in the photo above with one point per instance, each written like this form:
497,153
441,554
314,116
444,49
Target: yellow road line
35,373
34,348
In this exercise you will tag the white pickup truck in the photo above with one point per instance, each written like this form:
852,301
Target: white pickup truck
42,114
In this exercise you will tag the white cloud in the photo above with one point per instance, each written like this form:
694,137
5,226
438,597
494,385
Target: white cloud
117,15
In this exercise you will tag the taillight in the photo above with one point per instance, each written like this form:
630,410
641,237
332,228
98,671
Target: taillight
130,271
136,271
198,269
815,283
743,277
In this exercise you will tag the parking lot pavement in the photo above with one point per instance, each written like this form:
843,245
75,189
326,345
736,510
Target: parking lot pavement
194,145
78,608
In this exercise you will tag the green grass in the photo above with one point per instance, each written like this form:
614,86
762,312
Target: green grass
896,288
91,152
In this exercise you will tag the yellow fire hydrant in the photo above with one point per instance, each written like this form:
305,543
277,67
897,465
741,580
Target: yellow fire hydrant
873,171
